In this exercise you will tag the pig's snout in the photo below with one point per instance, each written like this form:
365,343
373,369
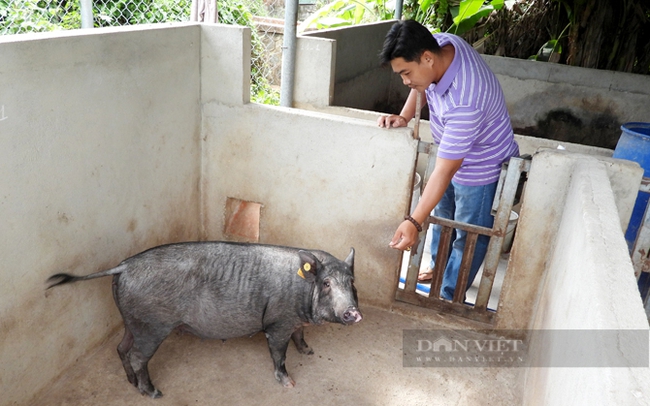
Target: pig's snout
352,315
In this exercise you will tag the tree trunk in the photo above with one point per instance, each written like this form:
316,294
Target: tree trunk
587,32
604,34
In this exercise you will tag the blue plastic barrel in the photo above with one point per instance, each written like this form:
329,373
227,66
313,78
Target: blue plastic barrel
634,145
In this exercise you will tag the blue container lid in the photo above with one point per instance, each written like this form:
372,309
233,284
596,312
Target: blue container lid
634,145
637,128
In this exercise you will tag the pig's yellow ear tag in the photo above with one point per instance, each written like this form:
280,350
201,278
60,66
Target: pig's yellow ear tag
307,267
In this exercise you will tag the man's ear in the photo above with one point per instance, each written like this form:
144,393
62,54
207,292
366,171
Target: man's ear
426,57
309,265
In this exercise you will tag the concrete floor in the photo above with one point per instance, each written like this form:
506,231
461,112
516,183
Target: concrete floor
355,365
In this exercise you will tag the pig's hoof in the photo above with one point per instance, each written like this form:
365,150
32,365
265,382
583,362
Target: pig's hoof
156,394
305,350
153,394
288,382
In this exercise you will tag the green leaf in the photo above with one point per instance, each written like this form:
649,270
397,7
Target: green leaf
331,22
425,5
359,11
548,49
497,4
469,22
467,9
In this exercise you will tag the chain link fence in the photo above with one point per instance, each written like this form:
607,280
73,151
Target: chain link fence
264,17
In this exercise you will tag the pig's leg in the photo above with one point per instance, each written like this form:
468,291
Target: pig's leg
146,342
125,346
123,350
278,343
299,340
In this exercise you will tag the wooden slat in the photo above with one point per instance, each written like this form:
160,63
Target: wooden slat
470,228
501,218
465,265
415,260
446,307
441,261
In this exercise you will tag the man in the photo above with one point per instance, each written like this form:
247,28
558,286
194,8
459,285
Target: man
469,122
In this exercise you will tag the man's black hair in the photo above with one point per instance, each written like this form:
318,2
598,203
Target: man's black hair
407,39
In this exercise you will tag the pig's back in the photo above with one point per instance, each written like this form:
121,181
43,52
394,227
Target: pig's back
217,289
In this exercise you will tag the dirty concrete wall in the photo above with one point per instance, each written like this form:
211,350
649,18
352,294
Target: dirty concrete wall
567,103
323,182
548,185
589,288
99,147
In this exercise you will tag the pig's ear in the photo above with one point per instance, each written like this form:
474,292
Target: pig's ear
308,265
350,260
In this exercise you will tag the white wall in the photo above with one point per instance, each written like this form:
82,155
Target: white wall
589,285
225,64
98,160
549,183
314,80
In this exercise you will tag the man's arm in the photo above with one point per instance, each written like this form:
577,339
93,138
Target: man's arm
445,169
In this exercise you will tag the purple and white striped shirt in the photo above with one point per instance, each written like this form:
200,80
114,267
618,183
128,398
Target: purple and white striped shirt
468,116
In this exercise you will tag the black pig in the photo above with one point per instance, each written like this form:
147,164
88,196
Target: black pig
224,290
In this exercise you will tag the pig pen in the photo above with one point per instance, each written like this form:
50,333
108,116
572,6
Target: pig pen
117,140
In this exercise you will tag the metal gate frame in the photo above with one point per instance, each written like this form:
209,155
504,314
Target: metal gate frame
511,179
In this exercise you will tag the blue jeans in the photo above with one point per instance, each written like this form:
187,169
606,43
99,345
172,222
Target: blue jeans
466,204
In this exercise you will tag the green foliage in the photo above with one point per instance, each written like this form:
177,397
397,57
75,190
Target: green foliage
22,16
125,12
342,13
234,12
551,50
432,13
469,12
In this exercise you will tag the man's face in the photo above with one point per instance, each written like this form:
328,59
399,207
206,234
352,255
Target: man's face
416,75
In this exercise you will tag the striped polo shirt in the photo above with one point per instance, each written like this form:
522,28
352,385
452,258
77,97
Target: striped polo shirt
468,116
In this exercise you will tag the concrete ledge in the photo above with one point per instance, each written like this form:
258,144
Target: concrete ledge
589,285
565,74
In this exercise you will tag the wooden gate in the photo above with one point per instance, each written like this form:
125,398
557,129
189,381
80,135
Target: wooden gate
513,175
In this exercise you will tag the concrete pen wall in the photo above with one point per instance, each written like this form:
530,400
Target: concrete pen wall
99,160
588,311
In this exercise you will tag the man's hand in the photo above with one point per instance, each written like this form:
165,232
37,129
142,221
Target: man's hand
392,120
405,237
